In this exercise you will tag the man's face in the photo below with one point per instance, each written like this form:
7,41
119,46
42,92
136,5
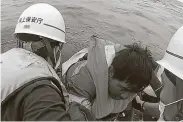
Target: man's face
118,89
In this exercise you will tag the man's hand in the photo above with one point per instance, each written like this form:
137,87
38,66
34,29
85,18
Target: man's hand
137,103
137,98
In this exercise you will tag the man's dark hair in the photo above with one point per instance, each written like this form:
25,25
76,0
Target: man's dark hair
134,65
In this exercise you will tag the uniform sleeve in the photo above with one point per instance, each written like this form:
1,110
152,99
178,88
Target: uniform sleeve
44,103
156,85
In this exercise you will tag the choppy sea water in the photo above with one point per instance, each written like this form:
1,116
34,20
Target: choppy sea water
151,22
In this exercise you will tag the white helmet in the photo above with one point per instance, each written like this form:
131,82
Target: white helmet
173,58
43,20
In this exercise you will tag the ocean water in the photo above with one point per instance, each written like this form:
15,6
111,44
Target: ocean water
150,22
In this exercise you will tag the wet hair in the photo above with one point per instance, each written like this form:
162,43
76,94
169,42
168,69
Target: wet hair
134,65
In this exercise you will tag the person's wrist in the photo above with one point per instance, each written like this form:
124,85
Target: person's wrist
141,102
142,105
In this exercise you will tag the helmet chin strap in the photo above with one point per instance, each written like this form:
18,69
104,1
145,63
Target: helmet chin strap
58,59
54,54
50,51
57,55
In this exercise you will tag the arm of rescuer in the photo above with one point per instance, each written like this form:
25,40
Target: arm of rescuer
149,108
43,102
149,104
152,108
152,92
156,83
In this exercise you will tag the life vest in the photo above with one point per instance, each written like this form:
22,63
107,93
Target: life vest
20,67
100,56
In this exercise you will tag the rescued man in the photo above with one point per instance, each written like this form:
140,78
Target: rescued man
106,76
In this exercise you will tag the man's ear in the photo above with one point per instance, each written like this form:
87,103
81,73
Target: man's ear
111,71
